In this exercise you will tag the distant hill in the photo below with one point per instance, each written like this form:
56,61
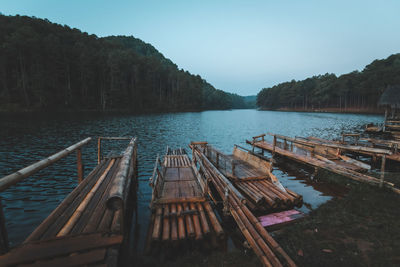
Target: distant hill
352,91
47,66
251,101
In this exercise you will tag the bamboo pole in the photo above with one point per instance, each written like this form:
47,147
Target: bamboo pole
78,212
15,177
382,171
166,224
196,222
181,224
203,219
174,227
157,224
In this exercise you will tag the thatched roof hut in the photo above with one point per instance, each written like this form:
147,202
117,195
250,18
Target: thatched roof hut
391,97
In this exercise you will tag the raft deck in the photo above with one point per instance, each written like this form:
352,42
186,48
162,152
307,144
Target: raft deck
264,246
181,211
317,162
88,227
253,178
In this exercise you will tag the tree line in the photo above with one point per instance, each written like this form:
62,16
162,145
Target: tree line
47,66
355,90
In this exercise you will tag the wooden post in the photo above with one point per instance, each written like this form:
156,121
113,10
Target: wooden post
285,144
98,150
217,159
384,122
4,246
233,168
79,165
382,170
274,145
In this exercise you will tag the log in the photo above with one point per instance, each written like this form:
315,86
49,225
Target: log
116,197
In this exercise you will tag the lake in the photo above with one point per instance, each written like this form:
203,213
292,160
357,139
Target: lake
27,139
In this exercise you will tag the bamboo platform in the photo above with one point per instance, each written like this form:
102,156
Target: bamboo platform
253,178
312,160
264,246
89,226
180,210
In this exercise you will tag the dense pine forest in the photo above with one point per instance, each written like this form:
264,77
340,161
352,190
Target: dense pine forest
352,91
46,66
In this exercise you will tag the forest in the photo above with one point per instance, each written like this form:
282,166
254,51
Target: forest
358,90
47,66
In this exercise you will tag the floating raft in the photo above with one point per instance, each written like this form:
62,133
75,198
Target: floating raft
253,178
264,246
286,149
180,210
87,228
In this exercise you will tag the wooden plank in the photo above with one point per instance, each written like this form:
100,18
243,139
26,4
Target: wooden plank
35,251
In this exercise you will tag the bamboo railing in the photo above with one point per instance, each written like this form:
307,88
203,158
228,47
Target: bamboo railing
23,173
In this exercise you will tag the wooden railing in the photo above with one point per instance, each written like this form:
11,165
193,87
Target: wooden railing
155,179
24,173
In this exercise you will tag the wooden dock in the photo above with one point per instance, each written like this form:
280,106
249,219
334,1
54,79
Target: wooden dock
90,224
286,148
253,178
264,246
180,209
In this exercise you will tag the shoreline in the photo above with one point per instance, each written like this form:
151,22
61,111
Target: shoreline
330,110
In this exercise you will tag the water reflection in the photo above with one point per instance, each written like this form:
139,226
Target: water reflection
26,140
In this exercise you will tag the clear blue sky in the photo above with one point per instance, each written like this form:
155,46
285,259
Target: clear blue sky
240,46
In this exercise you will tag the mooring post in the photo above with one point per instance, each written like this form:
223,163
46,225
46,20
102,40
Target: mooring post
4,246
382,170
98,150
274,145
79,165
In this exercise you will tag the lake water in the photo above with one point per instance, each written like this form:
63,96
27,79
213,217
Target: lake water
25,140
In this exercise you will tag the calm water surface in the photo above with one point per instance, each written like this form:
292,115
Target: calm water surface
26,140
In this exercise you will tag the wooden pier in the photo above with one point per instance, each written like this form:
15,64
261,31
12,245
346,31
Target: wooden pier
264,246
252,176
90,224
181,211
287,148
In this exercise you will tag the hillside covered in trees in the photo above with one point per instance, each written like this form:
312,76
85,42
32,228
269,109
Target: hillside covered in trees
46,66
352,91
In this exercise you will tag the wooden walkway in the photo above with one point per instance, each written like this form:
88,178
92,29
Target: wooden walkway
181,211
89,225
316,162
253,178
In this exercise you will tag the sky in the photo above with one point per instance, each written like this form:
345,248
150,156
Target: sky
240,46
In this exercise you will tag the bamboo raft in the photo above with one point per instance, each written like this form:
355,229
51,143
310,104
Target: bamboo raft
264,246
89,226
286,149
180,210
252,176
